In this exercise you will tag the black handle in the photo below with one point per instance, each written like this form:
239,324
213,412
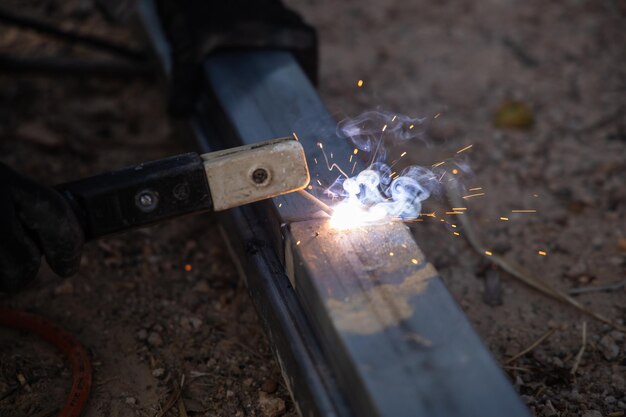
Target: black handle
139,195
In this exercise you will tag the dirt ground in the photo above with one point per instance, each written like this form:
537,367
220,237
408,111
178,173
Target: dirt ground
147,321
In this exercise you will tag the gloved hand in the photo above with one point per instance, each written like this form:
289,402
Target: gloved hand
197,28
34,220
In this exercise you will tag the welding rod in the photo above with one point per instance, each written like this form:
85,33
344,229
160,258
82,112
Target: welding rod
319,203
159,190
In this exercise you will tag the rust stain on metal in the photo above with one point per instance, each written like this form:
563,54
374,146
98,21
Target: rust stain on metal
365,289
381,306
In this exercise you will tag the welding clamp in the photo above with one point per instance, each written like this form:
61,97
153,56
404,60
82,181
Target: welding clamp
159,190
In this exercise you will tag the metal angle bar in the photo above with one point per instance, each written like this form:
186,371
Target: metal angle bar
394,338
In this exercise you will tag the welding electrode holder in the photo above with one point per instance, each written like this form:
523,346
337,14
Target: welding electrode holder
155,191
138,196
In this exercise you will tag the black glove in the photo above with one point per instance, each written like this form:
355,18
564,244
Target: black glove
196,28
34,220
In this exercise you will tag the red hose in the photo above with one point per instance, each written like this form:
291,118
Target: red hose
74,351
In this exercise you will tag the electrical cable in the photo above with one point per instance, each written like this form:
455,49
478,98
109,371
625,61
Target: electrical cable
70,67
25,22
75,352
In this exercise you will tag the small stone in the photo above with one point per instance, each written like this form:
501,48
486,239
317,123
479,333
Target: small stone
597,242
158,372
142,334
576,396
269,386
592,413
271,406
154,339
617,336
22,380
609,400
229,394
548,410
609,348
195,322
131,400
64,288
557,362
248,382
